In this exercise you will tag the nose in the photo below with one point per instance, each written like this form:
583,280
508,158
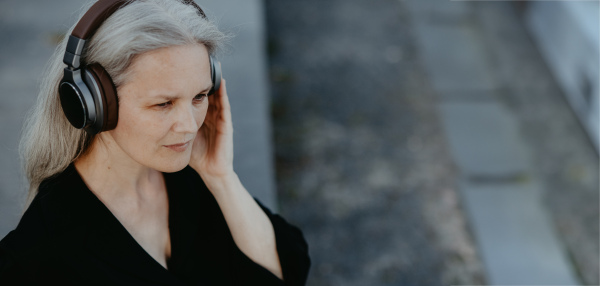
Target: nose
185,120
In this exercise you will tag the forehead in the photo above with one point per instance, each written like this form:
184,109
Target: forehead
176,70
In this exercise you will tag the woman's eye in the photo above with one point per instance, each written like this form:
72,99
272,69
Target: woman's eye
197,98
200,97
164,104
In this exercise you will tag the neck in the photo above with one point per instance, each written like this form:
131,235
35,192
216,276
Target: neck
114,176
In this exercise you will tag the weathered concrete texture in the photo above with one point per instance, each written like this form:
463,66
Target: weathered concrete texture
362,166
457,62
484,138
564,159
516,238
497,149
568,35
517,245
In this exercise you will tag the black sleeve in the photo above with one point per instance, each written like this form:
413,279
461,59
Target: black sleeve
291,248
11,273
27,254
20,249
293,257
15,249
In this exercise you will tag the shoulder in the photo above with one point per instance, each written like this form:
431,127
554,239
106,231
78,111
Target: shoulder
30,233
28,249
54,211
51,232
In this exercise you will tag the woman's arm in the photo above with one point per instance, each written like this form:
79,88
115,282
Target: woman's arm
212,159
250,227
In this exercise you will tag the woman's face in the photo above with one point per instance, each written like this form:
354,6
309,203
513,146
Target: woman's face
163,103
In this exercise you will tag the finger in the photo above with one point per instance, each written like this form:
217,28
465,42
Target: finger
219,91
223,98
224,103
213,99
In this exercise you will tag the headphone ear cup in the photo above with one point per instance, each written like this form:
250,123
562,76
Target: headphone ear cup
73,101
108,95
215,75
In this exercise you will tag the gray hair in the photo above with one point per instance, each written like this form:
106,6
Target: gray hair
49,143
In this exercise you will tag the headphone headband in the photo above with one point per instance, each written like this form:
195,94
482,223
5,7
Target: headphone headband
101,10
91,20
95,16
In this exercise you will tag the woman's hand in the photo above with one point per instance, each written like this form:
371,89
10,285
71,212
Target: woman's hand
212,151
212,158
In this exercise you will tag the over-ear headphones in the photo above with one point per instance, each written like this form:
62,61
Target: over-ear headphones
88,95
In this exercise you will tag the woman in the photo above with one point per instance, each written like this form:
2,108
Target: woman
152,199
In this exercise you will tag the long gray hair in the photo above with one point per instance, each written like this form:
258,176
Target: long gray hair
49,142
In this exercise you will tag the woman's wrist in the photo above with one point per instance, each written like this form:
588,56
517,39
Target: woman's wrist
221,184
220,173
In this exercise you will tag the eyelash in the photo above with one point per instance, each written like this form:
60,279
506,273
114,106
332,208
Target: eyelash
199,97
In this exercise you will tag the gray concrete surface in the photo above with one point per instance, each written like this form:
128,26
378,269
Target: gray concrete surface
517,239
568,36
28,35
362,164
515,236
484,138
454,63
426,143
563,157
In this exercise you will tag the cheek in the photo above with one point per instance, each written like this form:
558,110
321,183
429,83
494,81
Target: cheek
139,130
201,113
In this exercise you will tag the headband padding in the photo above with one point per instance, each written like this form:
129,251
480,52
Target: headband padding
191,2
109,96
95,16
101,10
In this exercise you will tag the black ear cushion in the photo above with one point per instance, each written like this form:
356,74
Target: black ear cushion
109,96
215,75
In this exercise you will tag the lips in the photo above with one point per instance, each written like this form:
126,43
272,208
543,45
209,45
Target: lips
180,144
179,147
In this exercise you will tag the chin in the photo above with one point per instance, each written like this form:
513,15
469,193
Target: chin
173,165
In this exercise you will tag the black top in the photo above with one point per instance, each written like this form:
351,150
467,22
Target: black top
67,235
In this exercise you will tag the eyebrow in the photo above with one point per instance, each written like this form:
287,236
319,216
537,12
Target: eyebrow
173,97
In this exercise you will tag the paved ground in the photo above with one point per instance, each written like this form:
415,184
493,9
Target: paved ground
563,158
362,163
374,168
